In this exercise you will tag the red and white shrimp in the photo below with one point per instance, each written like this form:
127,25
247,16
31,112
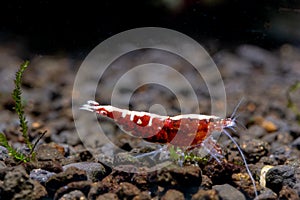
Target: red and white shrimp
188,131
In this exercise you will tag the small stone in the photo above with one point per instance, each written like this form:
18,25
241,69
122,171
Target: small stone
206,194
60,148
296,143
269,126
2,165
18,185
85,155
143,196
179,177
206,182
280,153
263,172
244,183
127,191
268,194
288,193
40,175
279,176
36,125
63,178
51,166
46,152
254,148
255,130
173,194
82,186
227,192
108,184
94,171
3,153
297,188
75,194
108,196
69,137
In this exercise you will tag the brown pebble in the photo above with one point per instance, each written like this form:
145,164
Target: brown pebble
269,126
127,190
288,193
206,194
36,125
108,196
173,194
142,196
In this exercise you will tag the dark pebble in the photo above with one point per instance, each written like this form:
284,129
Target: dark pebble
279,176
206,194
3,153
40,175
141,180
75,194
173,194
95,171
295,131
178,177
267,194
254,149
206,182
85,156
280,152
296,143
82,186
18,185
51,166
127,191
227,192
108,184
63,178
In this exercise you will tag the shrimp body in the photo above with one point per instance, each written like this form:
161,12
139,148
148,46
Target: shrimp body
187,131
182,130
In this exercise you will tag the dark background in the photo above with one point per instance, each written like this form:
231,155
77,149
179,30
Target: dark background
76,27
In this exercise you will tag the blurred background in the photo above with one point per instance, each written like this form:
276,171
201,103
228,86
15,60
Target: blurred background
77,27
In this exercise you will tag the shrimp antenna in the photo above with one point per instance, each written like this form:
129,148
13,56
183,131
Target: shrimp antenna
244,160
234,116
236,108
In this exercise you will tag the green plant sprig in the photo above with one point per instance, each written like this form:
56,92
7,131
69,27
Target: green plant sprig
12,152
19,107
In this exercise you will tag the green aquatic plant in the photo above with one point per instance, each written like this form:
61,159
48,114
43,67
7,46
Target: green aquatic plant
181,156
291,104
19,108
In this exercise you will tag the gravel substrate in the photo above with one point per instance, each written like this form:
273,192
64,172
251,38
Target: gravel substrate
65,169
